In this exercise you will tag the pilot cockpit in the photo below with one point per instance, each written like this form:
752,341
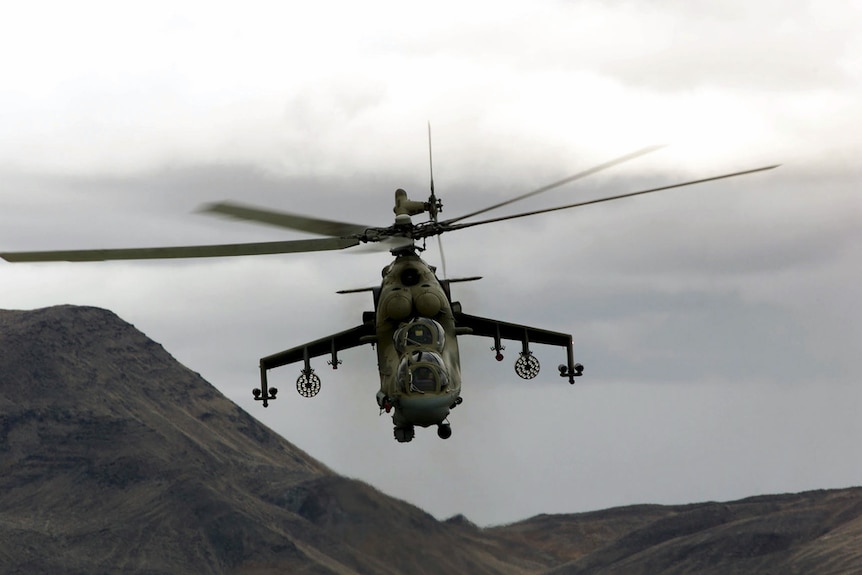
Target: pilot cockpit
422,372
420,333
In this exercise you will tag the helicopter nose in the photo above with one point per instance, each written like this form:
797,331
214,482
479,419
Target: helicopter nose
425,410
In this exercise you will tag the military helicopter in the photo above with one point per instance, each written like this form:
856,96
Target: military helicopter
415,324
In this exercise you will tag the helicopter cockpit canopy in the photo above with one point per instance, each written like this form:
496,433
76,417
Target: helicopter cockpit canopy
420,333
422,372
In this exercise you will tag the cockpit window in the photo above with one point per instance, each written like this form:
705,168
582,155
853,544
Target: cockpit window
422,332
419,334
423,379
422,372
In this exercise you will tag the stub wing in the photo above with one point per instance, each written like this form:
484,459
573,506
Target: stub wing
308,383
499,330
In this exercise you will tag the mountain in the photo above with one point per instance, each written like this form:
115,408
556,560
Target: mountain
812,532
114,458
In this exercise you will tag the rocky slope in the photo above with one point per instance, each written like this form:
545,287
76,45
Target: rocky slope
114,458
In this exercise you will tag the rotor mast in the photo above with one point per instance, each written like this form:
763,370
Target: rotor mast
434,205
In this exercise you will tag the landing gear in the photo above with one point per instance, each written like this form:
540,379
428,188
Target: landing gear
407,433
404,434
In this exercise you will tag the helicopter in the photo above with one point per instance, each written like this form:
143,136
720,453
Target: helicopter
415,323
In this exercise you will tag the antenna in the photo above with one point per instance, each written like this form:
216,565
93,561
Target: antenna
434,205
430,158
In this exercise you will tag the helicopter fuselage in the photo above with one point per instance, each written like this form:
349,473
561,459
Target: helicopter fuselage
417,347
415,327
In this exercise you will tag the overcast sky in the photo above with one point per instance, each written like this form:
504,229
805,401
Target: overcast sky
720,325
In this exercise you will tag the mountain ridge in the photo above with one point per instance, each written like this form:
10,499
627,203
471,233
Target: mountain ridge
117,459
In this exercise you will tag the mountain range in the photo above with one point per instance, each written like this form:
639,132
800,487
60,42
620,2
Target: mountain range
116,458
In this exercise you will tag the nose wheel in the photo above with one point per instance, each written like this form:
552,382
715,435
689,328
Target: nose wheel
444,431
404,434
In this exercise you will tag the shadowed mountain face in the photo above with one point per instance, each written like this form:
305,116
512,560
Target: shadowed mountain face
114,458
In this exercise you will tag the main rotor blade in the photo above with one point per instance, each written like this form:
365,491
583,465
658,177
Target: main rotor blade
606,199
558,183
383,244
251,249
285,219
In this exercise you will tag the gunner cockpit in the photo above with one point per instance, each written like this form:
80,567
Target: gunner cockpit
422,372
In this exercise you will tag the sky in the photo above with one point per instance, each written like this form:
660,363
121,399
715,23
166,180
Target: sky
719,324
